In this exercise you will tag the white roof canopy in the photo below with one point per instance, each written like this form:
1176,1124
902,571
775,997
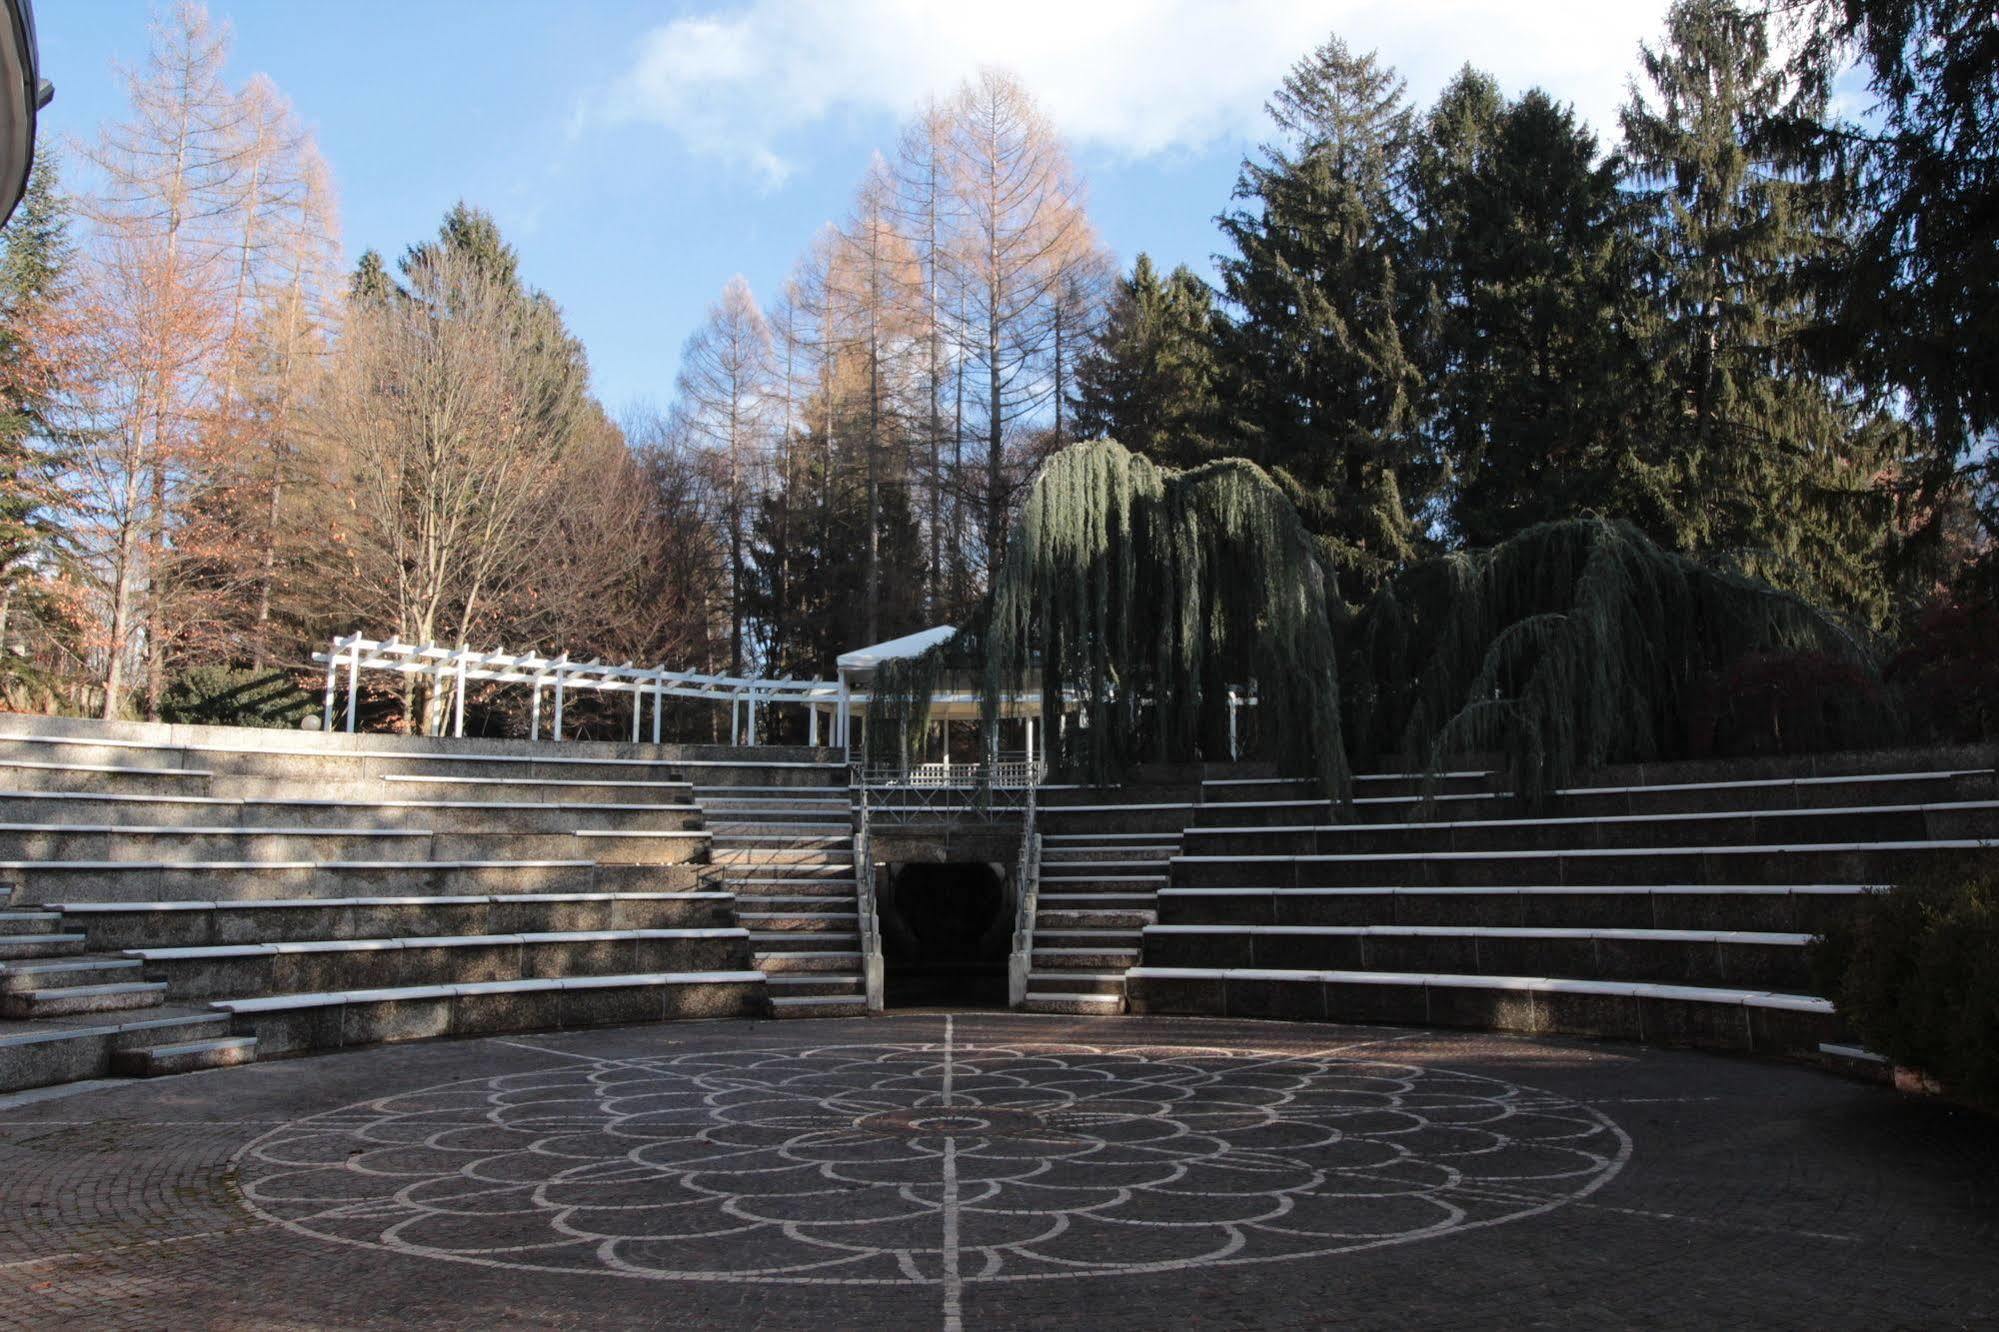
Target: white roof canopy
896,649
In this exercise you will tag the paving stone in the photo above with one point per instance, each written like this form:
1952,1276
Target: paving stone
1002,1171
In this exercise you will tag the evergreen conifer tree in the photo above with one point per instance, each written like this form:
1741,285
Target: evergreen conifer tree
1324,385
1772,465
1151,380
1537,385
35,259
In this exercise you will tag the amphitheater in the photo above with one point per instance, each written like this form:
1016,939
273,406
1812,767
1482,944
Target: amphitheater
311,1029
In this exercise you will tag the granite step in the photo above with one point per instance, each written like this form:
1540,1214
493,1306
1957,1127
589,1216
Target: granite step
153,1061
112,998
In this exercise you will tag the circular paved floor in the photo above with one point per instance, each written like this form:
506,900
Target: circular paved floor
997,1170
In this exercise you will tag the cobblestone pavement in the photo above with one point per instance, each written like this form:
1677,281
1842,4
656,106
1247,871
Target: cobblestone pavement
997,1170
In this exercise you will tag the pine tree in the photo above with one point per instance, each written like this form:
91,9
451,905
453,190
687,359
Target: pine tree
1537,384
371,280
35,261
1913,301
1323,381
1151,380
1774,466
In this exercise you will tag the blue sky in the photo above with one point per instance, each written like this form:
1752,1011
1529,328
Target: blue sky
638,155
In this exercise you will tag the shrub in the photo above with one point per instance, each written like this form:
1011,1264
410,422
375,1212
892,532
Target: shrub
1789,703
1947,674
233,696
1916,971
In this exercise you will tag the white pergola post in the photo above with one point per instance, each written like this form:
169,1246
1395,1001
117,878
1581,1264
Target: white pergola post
1233,750
353,681
658,703
326,717
735,718
458,706
844,722
812,725
561,673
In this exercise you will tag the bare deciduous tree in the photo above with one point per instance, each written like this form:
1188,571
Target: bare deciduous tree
726,390
442,430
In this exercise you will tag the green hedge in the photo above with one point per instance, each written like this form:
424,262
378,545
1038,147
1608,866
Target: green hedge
233,696
1916,971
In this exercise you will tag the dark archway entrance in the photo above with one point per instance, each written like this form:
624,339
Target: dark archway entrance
945,934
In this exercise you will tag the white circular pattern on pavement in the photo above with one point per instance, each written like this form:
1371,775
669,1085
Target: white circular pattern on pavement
932,1163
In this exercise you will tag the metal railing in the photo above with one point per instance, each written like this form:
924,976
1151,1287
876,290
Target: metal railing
905,794
1027,877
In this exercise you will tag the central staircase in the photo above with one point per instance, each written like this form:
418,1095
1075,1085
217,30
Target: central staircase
787,853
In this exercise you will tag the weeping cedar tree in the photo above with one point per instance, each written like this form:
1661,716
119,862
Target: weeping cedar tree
1568,646
1143,594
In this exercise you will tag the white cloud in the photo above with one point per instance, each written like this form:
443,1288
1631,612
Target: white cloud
1134,77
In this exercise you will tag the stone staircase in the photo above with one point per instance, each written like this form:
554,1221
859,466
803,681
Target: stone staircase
174,898
1105,855
1668,904
787,854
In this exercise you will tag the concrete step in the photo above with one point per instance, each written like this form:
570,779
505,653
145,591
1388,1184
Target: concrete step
212,881
496,815
802,941
1740,959
1887,823
792,893
47,775
18,947
807,960
117,925
666,794
1825,862
14,924
759,885
40,973
66,1049
227,971
1454,782
24,842
1059,901
1708,1016
293,1023
1075,982
1057,919
1084,959
807,983
829,860
1915,786
1052,936
1805,908
1066,860
1078,1004
111,998
768,922
154,1061
818,1005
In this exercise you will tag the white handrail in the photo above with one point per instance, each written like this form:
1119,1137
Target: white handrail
870,921
1027,875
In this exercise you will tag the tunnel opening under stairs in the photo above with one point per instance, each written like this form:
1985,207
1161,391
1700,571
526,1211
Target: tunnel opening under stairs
945,930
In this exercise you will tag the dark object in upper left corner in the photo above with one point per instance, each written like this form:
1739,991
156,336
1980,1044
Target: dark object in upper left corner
23,93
